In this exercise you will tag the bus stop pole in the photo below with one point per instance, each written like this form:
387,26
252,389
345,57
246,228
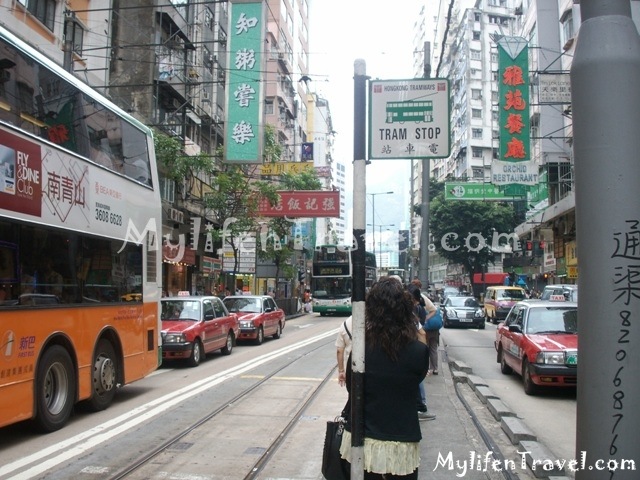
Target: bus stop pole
358,259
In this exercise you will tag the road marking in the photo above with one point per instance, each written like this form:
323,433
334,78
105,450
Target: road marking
304,379
81,443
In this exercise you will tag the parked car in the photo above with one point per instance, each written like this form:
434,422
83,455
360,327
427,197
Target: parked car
569,291
259,315
539,341
193,326
498,301
462,312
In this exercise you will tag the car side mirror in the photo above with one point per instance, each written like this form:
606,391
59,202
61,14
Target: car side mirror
208,316
515,328
268,309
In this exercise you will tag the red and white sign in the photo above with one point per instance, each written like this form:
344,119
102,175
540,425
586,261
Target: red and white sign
303,204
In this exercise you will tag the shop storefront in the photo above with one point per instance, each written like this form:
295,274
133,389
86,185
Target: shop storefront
177,270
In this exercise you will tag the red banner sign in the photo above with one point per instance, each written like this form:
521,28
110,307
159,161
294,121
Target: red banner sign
303,204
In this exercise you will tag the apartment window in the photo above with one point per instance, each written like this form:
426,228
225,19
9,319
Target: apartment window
167,189
476,113
43,10
476,93
476,35
567,26
476,133
494,57
476,55
208,19
208,60
268,107
74,33
476,152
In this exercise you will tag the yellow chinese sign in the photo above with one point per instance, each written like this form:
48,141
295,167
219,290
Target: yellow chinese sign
278,168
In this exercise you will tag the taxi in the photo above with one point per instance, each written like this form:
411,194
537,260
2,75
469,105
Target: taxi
193,326
539,341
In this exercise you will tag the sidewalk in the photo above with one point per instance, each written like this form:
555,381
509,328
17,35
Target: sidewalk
472,429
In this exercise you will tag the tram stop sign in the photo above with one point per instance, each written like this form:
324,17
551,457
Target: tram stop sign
409,119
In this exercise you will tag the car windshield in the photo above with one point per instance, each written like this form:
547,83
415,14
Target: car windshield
180,310
552,320
463,302
243,304
515,294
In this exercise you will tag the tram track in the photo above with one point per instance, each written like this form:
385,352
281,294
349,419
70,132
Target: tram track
143,461
233,407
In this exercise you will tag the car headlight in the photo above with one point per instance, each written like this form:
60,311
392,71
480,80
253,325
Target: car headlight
174,338
478,313
246,324
550,358
451,313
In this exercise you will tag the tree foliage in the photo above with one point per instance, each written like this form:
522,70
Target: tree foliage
236,190
463,231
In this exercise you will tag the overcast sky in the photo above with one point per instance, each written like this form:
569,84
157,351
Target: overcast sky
342,31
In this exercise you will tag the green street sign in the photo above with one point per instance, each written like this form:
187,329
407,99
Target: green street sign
482,192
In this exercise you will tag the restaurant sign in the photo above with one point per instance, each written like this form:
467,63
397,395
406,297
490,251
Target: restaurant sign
302,204
514,165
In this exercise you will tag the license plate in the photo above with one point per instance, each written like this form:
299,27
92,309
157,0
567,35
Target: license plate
465,320
572,359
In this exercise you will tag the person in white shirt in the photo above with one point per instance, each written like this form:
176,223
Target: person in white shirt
343,349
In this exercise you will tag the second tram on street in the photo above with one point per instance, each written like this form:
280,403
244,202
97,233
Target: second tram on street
400,272
332,278
80,271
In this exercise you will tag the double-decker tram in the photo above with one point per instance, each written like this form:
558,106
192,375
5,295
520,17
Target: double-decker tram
80,276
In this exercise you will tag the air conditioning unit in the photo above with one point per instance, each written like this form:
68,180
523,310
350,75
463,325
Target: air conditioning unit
176,215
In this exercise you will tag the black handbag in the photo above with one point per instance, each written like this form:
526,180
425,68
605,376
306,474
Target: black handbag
334,467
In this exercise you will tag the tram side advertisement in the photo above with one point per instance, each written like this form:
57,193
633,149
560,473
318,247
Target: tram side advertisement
60,189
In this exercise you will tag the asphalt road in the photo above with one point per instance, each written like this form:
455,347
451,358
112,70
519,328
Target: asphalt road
550,415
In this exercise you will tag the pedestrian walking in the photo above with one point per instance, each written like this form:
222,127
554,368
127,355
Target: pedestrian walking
433,335
420,314
395,365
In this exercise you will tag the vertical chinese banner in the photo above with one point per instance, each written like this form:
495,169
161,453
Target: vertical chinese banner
513,75
244,87
514,165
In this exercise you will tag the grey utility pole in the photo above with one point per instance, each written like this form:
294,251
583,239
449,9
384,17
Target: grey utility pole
358,257
423,271
606,115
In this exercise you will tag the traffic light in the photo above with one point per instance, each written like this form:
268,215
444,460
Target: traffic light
529,245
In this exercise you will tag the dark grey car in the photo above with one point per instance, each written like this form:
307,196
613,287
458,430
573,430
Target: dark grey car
462,312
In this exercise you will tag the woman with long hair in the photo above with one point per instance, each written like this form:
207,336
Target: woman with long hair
396,363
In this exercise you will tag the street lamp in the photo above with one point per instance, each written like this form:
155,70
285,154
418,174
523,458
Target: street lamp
380,239
373,216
